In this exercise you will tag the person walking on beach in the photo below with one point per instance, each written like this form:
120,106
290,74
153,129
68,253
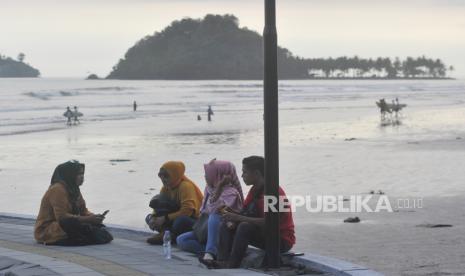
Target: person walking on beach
184,193
68,114
209,113
134,106
63,216
76,114
223,190
237,231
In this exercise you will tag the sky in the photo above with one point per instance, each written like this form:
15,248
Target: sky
73,38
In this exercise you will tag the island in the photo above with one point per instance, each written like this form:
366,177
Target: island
215,47
10,68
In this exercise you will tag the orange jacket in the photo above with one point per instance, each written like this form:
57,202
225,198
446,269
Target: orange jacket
55,205
188,196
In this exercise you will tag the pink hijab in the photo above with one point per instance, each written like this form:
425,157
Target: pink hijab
231,194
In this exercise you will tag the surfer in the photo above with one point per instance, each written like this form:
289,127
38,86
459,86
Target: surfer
76,115
68,114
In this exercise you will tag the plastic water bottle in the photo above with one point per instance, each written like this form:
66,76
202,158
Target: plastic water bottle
167,245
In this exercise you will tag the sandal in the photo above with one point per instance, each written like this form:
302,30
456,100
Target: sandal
208,263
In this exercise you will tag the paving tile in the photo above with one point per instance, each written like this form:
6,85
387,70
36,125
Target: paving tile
153,269
85,274
71,269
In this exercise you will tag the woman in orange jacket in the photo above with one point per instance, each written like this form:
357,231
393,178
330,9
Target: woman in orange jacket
63,216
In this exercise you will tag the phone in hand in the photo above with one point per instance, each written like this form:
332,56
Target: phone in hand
105,213
226,209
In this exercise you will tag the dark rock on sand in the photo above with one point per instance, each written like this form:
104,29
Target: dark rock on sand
352,220
434,225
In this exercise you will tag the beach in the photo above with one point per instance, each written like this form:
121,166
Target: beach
331,143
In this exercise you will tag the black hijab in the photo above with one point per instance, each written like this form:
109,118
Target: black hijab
66,174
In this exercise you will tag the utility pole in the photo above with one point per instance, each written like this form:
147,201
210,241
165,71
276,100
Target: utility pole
270,91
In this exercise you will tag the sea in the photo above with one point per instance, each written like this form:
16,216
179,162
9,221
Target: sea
332,139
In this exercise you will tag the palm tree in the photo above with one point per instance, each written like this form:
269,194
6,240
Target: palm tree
21,57
451,69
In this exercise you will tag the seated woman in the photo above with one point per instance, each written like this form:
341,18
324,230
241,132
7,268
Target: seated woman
63,217
223,190
184,193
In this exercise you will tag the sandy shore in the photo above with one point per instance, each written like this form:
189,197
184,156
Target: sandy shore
120,176
393,243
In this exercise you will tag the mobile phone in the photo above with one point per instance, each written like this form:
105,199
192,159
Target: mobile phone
105,213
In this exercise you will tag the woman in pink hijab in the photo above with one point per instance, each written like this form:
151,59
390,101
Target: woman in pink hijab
223,189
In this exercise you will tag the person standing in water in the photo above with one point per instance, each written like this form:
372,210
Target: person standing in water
76,114
210,113
68,114
134,106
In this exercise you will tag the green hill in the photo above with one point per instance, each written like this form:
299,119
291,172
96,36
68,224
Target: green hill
10,68
216,48
212,48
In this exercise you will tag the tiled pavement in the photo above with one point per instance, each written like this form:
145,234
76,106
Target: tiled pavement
127,254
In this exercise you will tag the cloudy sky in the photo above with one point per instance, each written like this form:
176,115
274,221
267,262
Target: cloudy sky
70,38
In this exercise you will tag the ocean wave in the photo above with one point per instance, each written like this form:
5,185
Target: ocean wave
68,93
47,95
38,95
27,131
108,88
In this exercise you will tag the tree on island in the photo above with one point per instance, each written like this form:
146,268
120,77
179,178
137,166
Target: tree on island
216,48
21,57
10,68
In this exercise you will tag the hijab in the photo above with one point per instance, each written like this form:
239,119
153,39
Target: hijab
215,170
176,170
66,174
230,195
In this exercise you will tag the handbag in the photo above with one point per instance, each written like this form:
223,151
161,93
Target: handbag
200,227
163,205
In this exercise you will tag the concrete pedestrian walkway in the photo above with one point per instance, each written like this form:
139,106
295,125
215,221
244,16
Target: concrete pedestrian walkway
127,254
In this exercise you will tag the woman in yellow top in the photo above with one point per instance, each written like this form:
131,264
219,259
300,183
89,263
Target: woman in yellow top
184,192
63,216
